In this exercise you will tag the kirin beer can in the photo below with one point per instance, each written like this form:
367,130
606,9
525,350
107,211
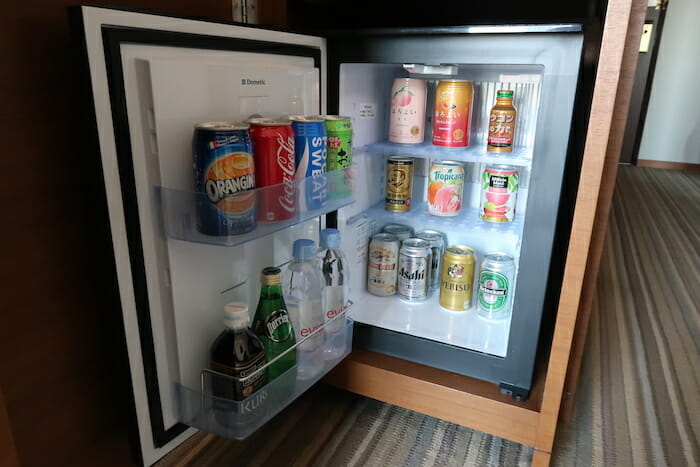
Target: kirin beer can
273,147
310,150
437,246
415,260
339,133
452,116
457,278
496,277
224,174
382,264
399,184
407,119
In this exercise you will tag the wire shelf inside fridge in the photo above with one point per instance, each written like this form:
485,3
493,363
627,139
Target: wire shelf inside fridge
267,210
521,156
210,408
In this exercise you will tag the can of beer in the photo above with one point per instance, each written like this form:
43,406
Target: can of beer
402,231
415,260
496,277
273,148
437,247
457,278
382,264
407,118
399,183
445,188
499,193
339,133
502,123
452,116
224,175
310,151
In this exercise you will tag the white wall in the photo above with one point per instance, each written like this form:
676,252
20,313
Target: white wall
672,127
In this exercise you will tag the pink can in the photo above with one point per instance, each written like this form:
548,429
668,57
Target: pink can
407,119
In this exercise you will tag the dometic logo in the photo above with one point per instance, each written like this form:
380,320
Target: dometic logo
252,82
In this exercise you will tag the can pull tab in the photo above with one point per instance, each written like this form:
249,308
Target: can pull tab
422,69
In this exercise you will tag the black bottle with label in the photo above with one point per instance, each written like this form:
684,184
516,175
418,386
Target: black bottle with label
237,352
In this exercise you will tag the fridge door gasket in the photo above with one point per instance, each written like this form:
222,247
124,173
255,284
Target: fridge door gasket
104,32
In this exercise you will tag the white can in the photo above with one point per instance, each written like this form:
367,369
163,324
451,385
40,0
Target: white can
407,119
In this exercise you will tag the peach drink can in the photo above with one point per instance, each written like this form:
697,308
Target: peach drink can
452,116
407,119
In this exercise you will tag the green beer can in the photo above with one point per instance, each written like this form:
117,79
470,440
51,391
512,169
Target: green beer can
339,154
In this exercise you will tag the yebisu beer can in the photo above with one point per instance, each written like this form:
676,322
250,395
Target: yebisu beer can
224,175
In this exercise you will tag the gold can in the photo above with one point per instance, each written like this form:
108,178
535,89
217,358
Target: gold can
399,182
457,277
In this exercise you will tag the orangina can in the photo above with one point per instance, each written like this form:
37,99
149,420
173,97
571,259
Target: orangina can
445,187
452,116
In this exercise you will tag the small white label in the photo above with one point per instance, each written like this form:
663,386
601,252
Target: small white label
368,110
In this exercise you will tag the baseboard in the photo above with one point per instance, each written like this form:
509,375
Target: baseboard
667,165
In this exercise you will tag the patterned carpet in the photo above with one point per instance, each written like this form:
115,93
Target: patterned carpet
639,400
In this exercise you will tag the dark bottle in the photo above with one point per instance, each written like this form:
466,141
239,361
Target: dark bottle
237,352
272,324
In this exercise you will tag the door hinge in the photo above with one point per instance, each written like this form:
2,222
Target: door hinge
245,11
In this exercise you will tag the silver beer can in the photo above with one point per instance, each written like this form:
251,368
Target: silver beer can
382,264
415,262
437,245
400,230
495,289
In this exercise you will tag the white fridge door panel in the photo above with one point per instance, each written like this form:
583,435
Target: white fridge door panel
167,89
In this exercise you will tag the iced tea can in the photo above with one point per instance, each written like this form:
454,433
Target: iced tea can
499,193
452,114
224,174
382,264
310,155
399,184
445,188
407,118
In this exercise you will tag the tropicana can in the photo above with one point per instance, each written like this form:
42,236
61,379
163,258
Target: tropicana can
445,187
457,277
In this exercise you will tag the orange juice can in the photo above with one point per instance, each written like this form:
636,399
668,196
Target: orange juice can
452,115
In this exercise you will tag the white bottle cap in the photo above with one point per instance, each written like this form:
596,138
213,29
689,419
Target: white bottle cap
236,315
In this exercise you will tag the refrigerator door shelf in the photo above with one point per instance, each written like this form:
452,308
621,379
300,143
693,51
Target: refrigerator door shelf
327,193
201,408
521,156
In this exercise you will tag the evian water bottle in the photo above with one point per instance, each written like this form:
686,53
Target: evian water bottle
335,292
303,294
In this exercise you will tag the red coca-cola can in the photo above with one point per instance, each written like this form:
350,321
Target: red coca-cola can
273,150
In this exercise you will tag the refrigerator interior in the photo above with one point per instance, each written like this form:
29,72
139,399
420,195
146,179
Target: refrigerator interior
365,97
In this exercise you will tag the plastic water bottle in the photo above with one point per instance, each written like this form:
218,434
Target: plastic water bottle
303,294
335,292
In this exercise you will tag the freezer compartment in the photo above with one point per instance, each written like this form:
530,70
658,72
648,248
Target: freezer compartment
203,406
296,201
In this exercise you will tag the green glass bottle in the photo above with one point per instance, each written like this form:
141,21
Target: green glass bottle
273,325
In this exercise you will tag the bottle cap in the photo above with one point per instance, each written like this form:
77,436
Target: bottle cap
304,249
271,276
330,238
503,94
236,315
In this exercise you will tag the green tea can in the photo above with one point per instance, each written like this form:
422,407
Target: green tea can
339,154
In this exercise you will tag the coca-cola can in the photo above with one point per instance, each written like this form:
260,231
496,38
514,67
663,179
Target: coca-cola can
273,150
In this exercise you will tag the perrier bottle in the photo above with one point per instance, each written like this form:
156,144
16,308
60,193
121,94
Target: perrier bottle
272,324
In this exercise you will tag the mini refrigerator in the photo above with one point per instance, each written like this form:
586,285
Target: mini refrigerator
154,77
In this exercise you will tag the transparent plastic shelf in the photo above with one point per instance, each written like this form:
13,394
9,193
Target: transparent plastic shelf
428,320
188,215
521,156
202,408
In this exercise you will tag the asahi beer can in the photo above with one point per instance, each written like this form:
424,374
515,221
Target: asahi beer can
407,118
273,149
415,261
453,111
399,184
382,264
437,246
310,155
402,231
496,277
224,174
499,193
457,278
445,188
339,157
